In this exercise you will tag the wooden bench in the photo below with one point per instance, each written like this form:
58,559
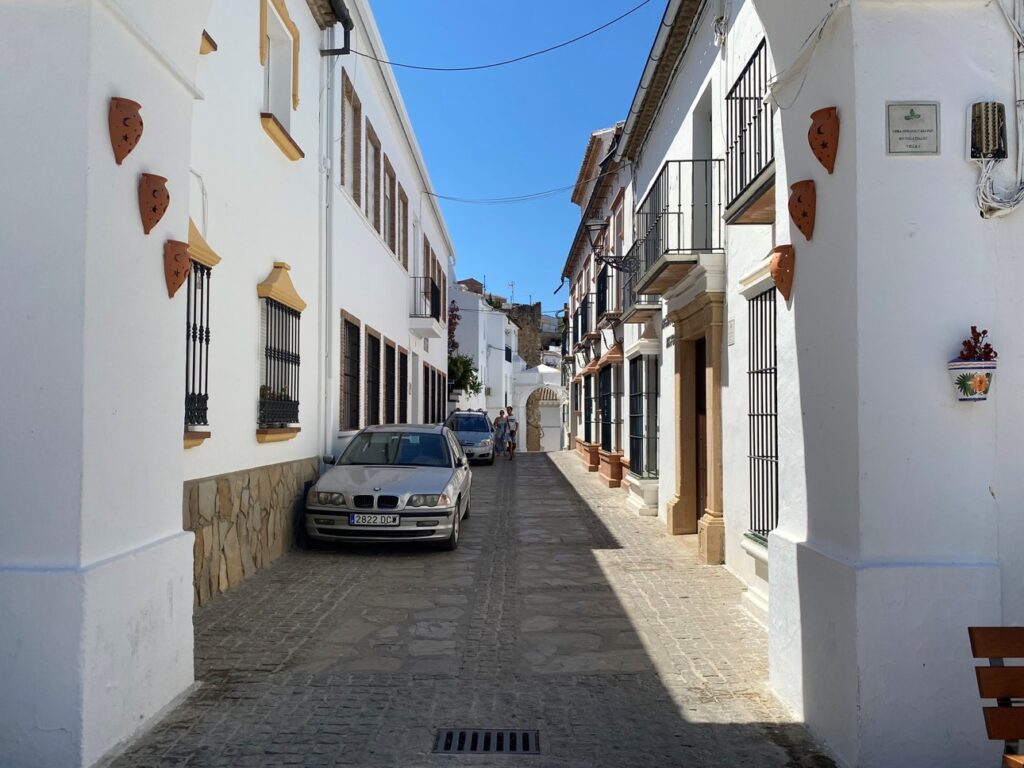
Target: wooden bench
1004,684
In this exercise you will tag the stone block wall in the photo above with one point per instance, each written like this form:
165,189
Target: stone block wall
243,521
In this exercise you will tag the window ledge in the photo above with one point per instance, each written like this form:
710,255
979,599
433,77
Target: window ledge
755,547
276,434
281,137
192,439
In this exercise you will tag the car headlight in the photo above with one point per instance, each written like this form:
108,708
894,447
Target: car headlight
428,500
329,499
485,443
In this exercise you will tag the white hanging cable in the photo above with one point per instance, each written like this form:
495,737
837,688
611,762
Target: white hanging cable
990,202
801,63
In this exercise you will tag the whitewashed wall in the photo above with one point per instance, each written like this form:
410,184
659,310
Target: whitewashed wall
260,207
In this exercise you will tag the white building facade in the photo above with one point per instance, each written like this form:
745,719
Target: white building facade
867,540
274,202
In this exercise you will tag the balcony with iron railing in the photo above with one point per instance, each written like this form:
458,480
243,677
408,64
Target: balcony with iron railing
584,326
678,220
425,308
608,308
636,307
750,145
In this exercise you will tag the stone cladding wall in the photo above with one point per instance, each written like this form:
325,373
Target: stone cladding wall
243,521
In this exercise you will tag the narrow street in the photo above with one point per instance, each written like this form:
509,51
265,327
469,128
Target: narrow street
560,612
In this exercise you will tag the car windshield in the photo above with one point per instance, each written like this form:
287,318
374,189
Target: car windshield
413,449
468,422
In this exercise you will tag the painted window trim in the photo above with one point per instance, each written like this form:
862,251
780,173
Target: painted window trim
207,44
279,287
276,434
365,383
348,92
373,141
282,11
198,249
351,319
280,136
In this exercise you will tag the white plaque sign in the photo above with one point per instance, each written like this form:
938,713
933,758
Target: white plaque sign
912,127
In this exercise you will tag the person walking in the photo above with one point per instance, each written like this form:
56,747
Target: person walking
511,432
499,432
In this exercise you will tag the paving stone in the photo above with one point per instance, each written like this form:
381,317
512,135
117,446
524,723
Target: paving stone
561,611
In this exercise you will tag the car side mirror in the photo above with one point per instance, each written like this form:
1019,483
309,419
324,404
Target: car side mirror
327,458
465,461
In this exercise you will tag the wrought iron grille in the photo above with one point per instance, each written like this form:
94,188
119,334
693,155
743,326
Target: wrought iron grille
630,276
643,416
372,380
749,124
588,409
426,298
389,384
403,388
763,415
606,398
602,292
279,393
197,346
350,375
426,394
681,214
508,354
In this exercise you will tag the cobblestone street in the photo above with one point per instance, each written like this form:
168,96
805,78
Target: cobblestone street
560,611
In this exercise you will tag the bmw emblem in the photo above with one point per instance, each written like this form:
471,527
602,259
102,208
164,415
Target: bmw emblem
376,489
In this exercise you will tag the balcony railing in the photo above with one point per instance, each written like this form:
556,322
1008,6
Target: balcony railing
749,125
636,307
426,298
680,218
584,321
606,298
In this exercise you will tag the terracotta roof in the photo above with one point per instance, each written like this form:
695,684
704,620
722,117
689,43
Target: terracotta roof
324,13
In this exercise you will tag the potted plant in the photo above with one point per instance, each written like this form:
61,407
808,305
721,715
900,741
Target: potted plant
973,370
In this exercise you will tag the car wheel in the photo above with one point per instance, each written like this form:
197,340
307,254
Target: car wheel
469,500
452,542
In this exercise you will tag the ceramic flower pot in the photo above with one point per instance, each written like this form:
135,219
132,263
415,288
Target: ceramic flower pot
803,205
153,200
972,378
823,136
782,266
176,265
125,126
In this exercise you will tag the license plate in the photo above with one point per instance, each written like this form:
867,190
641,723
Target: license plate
374,519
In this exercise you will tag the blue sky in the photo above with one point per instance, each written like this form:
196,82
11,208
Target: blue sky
516,129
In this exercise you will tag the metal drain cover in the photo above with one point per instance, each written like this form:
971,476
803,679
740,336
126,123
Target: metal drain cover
507,741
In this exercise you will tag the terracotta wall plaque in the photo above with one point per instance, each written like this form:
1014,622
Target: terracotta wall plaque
176,265
125,126
153,200
782,267
803,205
824,136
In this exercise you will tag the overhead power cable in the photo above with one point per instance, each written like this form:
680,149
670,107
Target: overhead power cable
506,62
530,197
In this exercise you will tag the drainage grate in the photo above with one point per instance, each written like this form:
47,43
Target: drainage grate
505,741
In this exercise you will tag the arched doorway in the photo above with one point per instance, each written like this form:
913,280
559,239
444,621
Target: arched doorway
543,420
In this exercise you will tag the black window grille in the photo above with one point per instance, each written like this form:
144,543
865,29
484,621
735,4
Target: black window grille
763,415
426,394
279,393
643,416
197,346
350,376
508,354
372,380
426,298
403,388
606,399
389,385
441,397
588,409
602,292
749,125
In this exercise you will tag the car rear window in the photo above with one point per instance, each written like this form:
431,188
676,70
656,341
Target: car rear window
469,422
416,449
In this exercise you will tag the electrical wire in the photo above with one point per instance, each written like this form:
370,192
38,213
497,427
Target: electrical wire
529,197
991,203
506,62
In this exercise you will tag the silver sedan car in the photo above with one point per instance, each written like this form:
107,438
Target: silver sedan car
393,483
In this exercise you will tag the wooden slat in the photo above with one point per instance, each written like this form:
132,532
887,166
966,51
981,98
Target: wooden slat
997,642
1013,761
1001,682
1004,722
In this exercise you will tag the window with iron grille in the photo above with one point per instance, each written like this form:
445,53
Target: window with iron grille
749,124
603,305
279,392
588,409
763,415
197,346
350,375
606,400
389,384
372,379
643,416
403,388
508,354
